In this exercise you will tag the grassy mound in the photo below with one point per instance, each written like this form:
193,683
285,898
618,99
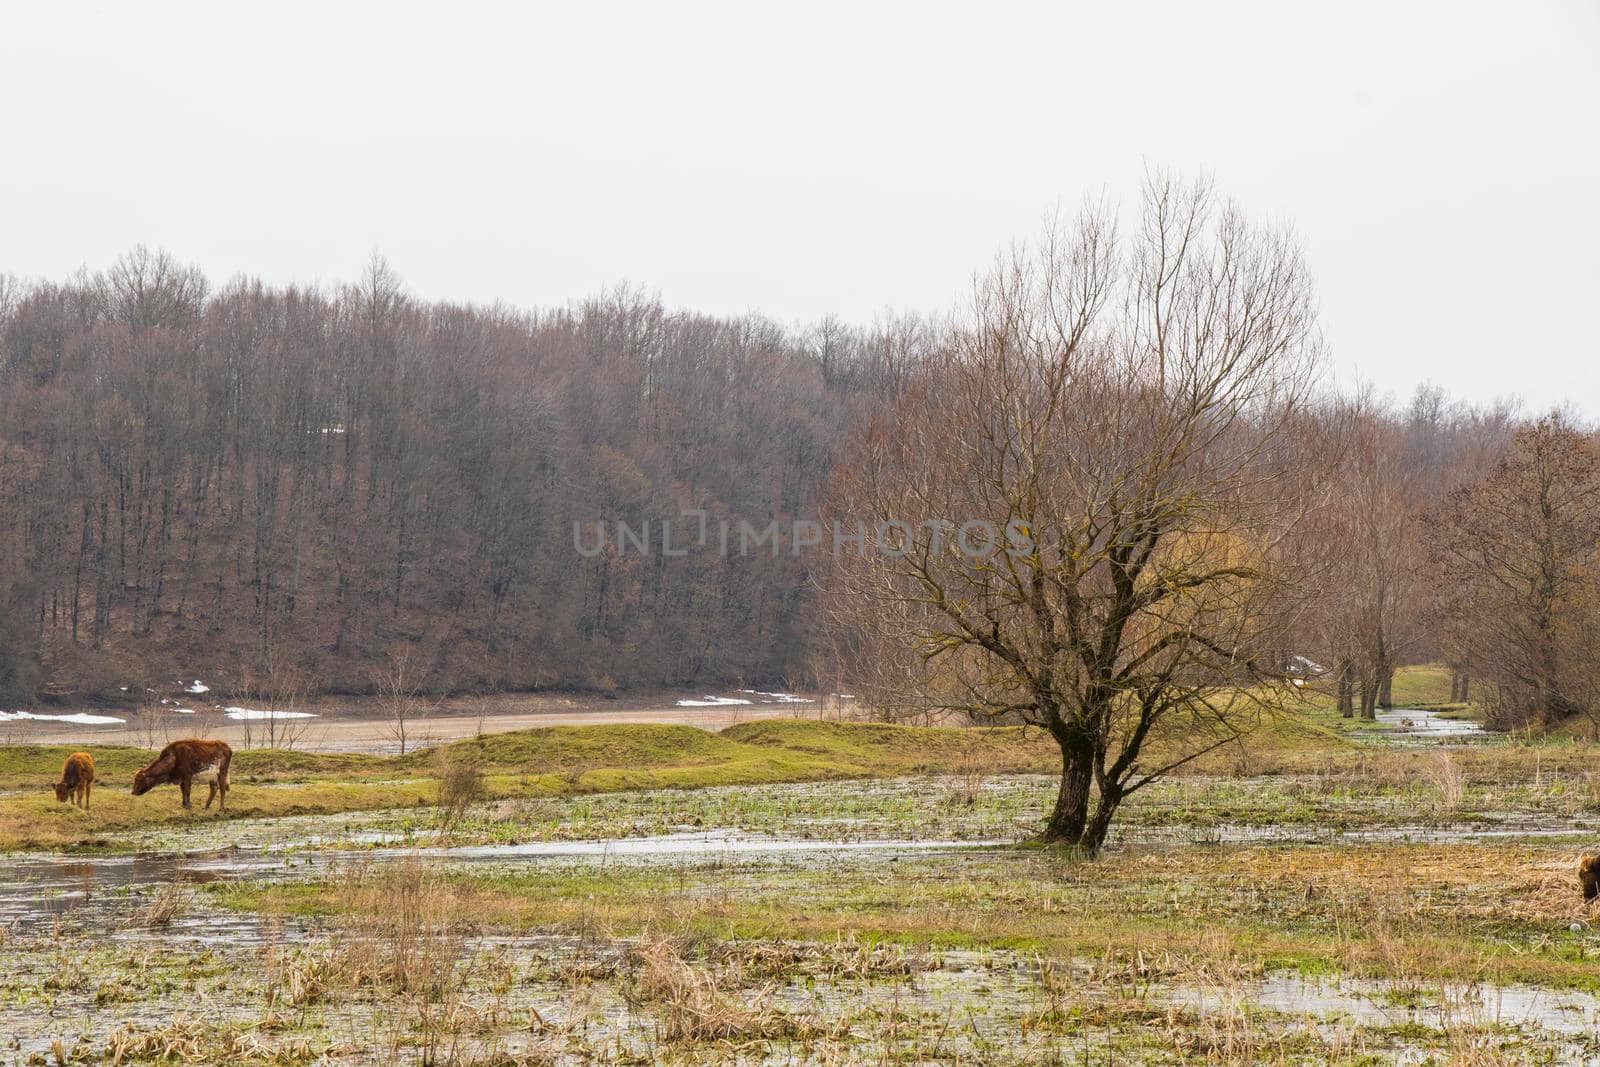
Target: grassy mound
883,749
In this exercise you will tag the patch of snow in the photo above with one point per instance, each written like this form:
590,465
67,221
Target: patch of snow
711,702
198,686
254,714
183,711
80,718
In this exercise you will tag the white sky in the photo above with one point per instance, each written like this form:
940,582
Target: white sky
1442,159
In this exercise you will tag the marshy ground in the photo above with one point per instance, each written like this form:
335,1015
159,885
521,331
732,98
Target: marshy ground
811,892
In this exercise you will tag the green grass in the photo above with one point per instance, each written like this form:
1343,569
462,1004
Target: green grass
528,763
31,766
1423,686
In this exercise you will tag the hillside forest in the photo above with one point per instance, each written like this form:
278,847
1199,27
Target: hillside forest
281,485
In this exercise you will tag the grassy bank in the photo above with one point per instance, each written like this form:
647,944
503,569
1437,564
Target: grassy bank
531,763
555,761
558,761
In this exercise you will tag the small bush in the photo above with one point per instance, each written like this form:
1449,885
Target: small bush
460,787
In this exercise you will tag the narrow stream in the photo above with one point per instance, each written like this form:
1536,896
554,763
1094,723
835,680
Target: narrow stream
1419,726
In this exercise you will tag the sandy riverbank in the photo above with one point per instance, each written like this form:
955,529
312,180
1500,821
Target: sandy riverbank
359,724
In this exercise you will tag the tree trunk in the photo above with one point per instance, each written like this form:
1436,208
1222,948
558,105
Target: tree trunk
1369,699
1094,834
1071,812
1347,690
1386,687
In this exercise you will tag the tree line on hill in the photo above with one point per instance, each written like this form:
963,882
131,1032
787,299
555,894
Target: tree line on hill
247,482
254,483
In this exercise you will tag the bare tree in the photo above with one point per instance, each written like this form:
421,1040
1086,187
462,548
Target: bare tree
1517,556
151,723
1377,593
398,683
1074,512
281,689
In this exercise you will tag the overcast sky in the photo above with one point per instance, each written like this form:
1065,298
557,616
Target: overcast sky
1441,159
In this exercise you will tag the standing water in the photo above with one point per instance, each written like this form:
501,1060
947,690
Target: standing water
1417,726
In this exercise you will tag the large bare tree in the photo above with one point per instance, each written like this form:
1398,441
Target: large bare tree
1073,514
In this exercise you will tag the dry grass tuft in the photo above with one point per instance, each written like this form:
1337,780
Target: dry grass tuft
1591,791
187,1041
690,1003
399,932
180,1040
398,938
1446,776
170,901
296,977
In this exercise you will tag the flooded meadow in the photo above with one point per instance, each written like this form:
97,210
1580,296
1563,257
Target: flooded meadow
1386,901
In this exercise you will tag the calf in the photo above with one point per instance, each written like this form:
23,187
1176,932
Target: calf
1589,876
187,762
77,775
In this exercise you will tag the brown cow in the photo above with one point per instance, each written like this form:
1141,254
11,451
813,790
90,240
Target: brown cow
77,775
186,762
1589,876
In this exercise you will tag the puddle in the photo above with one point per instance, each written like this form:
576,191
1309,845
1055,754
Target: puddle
1418,726
41,888
701,843
1371,1003
1414,834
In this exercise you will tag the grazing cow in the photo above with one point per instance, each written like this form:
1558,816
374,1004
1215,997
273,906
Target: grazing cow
77,775
187,762
1589,876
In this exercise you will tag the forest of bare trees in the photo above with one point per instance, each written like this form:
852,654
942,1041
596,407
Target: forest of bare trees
217,482
244,482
